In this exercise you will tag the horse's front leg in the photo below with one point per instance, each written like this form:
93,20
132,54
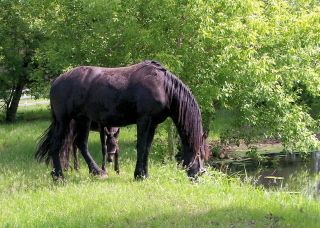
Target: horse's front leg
148,146
83,128
145,133
103,139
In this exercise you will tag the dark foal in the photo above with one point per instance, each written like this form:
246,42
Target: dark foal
109,146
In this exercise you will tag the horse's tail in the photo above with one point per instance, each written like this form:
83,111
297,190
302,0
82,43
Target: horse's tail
47,144
43,152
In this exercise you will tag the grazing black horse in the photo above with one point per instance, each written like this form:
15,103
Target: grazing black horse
109,145
144,94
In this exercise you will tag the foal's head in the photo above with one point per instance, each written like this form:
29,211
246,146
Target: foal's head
112,142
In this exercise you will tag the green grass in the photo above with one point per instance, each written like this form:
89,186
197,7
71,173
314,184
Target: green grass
29,198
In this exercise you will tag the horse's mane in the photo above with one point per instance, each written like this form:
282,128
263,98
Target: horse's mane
184,109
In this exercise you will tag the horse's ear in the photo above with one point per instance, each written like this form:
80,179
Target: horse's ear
106,130
117,133
205,135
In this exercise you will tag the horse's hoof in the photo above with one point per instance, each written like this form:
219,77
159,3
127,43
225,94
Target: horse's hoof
102,176
140,177
202,171
103,173
98,172
57,177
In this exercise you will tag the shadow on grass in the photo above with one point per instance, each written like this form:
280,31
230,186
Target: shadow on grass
227,217
27,114
155,217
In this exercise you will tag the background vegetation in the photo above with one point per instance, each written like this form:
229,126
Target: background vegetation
258,60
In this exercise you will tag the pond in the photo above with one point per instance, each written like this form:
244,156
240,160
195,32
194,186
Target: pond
295,173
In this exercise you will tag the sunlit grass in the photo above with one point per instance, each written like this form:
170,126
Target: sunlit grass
28,196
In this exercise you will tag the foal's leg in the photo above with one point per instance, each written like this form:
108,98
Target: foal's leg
67,158
83,128
103,139
73,146
145,133
116,162
75,157
66,150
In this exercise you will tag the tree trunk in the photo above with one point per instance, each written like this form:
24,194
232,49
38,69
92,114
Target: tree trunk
11,112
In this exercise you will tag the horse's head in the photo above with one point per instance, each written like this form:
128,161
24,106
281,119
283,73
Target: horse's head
112,142
196,166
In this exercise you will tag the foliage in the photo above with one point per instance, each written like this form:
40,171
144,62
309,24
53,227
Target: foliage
262,54
257,59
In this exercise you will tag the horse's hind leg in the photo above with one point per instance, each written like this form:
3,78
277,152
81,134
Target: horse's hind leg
83,128
58,139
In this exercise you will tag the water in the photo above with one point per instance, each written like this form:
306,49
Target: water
295,173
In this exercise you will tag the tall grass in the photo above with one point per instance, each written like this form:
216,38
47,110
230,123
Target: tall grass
29,198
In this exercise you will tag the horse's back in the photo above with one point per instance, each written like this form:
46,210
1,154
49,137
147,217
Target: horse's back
85,76
78,82
110,94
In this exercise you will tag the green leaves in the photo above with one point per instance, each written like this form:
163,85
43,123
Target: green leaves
259,51
259,59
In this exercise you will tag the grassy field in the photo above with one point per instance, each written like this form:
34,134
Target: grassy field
29,198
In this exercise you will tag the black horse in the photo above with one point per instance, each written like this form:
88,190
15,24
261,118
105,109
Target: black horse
109,146
144,94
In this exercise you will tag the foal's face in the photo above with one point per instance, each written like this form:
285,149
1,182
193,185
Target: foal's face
112,143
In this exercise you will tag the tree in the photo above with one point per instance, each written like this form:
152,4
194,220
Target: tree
20,36
261,52
258,59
